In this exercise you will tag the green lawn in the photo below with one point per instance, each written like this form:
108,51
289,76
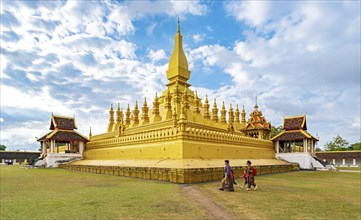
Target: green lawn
63,194
295,195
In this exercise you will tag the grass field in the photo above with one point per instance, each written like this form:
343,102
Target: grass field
296,195
63,194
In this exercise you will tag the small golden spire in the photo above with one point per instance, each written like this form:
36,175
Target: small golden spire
127,116
136,114
243,122
206,109
236,120
111,113
145,109
155,110
215,112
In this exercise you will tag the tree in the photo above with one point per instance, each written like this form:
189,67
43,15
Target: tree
318,149
338,143
355,146
275,130
2,147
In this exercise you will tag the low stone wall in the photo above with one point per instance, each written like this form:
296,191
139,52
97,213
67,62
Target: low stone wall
177,175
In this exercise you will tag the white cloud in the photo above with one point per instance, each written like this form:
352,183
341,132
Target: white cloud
212,55
2,120
253,12
197,38
150,28
157,55
192,7
14,98
23,137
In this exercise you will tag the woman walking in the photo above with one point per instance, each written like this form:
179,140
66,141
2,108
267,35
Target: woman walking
227,181
250,176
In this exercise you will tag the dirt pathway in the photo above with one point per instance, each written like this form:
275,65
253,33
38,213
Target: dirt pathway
214,210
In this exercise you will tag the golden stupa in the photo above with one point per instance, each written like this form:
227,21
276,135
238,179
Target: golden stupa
181,139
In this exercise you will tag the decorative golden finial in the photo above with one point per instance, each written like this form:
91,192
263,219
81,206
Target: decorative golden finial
90,132
237,113
178,28
256,106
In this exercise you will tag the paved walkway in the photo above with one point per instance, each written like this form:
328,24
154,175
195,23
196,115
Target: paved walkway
350,171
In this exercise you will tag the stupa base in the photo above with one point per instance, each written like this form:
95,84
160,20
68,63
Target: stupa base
178,171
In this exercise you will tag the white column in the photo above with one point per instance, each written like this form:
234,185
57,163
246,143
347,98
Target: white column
3,161
43,147
277,146
354,162
81,147
52,145
343,162
312,145
334,162
305,145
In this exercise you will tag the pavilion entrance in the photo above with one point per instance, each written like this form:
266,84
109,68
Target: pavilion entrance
63,143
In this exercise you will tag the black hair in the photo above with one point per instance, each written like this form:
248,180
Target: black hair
227,161
249,162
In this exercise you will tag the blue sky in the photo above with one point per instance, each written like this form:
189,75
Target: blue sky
77,57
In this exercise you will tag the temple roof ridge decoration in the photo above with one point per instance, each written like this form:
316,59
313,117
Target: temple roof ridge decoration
62,122
294,128
63,129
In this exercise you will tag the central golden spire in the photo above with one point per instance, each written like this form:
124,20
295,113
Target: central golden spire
178,64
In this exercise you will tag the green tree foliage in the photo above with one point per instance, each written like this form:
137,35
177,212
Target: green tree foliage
2,147
337,144
318,149
275,130
355,146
